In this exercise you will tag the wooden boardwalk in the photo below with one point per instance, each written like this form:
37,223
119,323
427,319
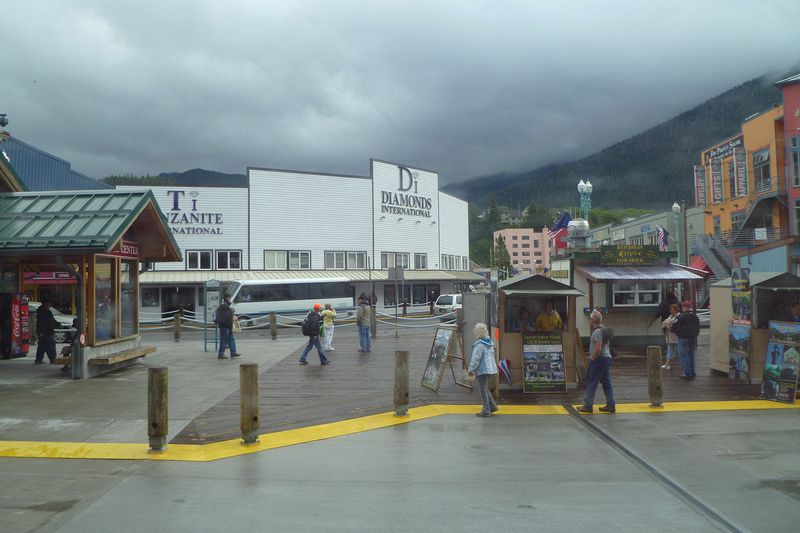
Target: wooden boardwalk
355,385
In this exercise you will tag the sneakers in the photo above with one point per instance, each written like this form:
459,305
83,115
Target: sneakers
326,362
302,363
483,415
665,367
607,409
584,409
223,356
235,355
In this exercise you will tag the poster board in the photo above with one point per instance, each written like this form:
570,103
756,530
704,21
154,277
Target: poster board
739,352
445,349
543,363
781,362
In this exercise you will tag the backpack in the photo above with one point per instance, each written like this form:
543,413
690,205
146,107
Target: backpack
607,334
311,326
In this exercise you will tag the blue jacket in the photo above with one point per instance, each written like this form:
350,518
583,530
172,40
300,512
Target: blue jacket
482,361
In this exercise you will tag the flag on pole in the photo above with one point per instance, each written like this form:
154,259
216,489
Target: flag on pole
560,223
503,368
662,237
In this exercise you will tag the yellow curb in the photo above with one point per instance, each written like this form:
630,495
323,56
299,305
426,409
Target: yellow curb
292,437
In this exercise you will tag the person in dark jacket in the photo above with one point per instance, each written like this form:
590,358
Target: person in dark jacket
223,318
663,311
312,328
46,324
687,328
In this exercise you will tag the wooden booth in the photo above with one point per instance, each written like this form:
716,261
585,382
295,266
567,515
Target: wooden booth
743,306
102,239
537,335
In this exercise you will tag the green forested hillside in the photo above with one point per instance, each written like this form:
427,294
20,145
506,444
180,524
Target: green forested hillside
650,170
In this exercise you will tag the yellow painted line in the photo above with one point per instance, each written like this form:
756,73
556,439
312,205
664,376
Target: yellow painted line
684,407
292,437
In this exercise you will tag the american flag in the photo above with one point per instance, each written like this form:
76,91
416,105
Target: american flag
662,237
560,223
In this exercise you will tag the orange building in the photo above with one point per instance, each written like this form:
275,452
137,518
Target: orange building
741,183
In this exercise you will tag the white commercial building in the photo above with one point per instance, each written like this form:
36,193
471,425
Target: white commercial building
291,224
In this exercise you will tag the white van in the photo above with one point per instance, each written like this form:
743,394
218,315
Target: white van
254,298
447,303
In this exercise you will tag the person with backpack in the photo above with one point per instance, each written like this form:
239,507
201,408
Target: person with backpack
599,365
223,318
362,321
687,328
311,328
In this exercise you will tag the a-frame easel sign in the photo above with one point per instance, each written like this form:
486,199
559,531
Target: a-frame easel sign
446,347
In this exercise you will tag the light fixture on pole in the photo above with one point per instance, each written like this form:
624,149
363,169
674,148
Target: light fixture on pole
585,191
676,212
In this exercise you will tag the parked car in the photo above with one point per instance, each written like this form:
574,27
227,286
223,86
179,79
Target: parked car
447,303
64,320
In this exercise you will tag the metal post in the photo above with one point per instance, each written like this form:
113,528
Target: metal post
396,301
655,388
248,387
678,245
401,382
273,325
157,408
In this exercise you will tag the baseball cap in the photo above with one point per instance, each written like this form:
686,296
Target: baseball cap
317,307
687,303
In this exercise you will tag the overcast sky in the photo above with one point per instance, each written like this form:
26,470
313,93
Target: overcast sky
464,87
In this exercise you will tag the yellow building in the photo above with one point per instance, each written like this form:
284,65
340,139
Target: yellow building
741,183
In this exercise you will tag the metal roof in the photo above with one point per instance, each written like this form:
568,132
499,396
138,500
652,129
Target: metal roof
201,276
642,273
77,221
788,81
767,280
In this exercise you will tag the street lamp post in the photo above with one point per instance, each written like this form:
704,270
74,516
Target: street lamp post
676,212
585,190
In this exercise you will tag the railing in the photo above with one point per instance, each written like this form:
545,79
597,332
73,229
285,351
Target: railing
703,245
749,237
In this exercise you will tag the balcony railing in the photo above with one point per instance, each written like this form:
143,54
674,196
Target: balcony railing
749,237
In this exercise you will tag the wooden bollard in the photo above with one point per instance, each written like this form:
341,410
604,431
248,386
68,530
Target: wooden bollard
273,325
157,408
655,388
401,382
373,323
176,324
248,393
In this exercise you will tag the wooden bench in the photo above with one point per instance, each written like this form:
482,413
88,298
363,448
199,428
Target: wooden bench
118,357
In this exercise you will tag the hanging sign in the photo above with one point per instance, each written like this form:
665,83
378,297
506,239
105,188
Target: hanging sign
716,181
740,171
700,199
543,363
629,254
781,362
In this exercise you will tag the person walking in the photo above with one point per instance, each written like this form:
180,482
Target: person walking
687,328
223,318
671,338
599,367
483,364
363,321
46,324
311,328
328,314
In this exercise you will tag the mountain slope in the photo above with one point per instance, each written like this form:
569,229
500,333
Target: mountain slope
651,169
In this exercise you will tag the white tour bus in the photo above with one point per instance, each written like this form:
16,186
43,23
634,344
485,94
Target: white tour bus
254,298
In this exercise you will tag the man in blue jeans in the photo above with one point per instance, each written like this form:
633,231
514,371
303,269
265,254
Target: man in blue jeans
362,321
687,328
224,319
599,368
311,328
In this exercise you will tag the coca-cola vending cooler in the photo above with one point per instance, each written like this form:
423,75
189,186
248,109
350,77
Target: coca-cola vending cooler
15,325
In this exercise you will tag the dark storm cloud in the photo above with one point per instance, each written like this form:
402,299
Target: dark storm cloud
468,88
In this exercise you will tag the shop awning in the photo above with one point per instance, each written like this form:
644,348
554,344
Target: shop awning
767,280
762,156
164,277
601,274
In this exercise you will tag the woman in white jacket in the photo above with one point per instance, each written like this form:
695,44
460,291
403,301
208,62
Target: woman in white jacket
671,338
484,366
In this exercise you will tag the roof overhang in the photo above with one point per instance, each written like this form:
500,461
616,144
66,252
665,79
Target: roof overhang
604,274
353,276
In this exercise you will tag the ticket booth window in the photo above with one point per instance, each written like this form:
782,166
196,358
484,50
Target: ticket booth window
105,298
129,308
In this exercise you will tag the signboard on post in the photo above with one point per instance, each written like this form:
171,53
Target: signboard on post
211,304
543,362
781,362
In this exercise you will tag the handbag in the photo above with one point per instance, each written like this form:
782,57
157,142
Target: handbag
237,328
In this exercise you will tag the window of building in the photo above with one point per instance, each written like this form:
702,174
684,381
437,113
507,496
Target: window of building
716,224
465,261
444,265
761,175
526,237
356,260
737,219
526,245
794,155
395,259
636,294
128,298
537,254
389,294
797,217
536,243
457,262
198,259
299,260
515,254
421,262
515,245
513,237
229,260
335,261
275,260
526,254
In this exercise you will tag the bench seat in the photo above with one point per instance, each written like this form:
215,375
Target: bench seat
118,357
